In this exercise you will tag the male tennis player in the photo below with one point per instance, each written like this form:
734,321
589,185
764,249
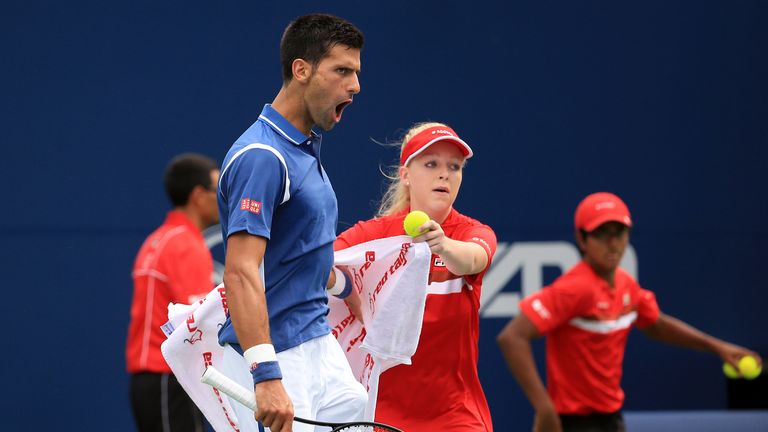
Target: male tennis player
278,216
586,315
173,265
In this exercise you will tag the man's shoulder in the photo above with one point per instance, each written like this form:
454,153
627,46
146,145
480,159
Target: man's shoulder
578,279
623,277
257,132
182,237
254,150
168,241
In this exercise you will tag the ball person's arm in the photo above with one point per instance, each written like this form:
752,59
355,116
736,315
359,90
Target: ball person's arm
352,300
248,311
461,258
515,344
673,331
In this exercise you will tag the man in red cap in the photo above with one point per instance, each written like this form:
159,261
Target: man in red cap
587,314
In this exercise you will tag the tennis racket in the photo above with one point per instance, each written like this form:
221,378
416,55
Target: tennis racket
229,387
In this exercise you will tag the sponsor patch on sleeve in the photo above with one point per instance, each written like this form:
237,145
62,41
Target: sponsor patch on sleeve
250,205
484,244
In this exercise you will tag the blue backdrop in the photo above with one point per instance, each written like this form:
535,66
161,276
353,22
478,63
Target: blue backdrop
662,102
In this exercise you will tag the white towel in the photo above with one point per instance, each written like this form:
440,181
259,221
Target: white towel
193,344
391,275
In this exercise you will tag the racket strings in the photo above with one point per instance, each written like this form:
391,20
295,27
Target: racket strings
365,428
360,429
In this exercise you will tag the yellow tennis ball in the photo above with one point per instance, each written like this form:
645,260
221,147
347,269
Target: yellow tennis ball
413,221
749,367
730,371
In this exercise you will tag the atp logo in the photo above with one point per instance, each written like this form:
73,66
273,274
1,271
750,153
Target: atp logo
528,259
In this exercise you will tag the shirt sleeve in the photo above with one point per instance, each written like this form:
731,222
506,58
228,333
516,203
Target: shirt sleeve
647,309
485,237
556,304
254,188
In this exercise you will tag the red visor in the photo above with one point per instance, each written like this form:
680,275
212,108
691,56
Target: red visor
419,142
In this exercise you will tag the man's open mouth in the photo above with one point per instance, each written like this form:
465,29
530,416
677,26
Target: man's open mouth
340,108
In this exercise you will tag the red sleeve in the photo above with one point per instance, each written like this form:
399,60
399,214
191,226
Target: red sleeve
556,304
189,270
647,309
484,236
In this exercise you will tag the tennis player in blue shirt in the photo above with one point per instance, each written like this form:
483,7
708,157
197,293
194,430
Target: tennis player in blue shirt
278,218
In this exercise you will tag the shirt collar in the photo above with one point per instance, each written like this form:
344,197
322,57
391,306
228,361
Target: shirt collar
585,268
178,218
282,126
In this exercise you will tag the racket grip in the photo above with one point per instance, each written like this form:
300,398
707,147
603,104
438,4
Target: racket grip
229,387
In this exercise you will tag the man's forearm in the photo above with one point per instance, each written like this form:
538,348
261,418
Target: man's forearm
671,330
519,356
247,307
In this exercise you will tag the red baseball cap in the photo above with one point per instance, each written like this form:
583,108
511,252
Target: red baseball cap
419,142
599,208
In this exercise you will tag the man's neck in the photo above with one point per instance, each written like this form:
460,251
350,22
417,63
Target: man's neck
193,216
607,275
290,105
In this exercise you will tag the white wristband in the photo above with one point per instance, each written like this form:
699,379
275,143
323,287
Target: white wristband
260,354
341,282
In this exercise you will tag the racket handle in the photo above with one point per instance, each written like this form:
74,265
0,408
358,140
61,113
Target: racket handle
229,387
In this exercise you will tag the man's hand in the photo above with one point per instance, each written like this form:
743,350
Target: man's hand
273,406
547,420
731,353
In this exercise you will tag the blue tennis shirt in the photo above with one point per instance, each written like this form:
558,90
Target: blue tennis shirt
273,185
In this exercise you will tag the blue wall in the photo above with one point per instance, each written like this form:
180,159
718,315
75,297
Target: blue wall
662,102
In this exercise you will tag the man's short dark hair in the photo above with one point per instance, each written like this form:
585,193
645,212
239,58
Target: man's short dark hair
186,171
311,37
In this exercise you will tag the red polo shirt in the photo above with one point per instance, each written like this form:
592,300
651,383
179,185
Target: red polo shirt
587,323
441,389
173,265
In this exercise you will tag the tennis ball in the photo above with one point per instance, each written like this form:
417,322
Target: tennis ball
730,371
413,221
749,367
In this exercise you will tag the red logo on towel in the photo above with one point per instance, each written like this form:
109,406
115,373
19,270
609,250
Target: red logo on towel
223,294
191,323
208,360
250,205
197,334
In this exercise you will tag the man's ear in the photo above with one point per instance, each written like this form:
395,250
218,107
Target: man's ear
302,70
580,239
195,194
